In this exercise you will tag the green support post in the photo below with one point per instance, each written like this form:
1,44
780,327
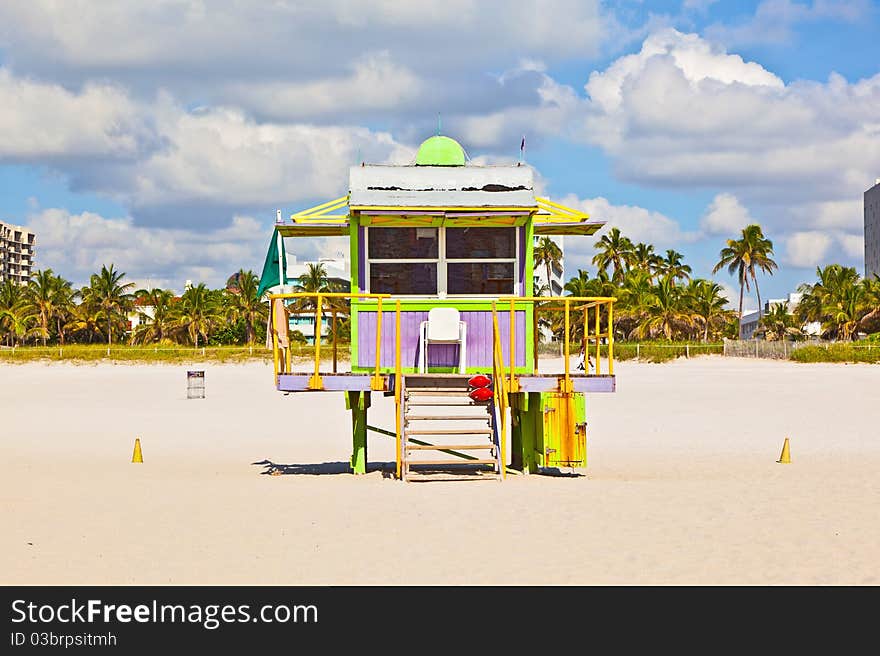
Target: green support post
358,402
525,423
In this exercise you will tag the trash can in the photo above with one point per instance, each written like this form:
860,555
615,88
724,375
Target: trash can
195,384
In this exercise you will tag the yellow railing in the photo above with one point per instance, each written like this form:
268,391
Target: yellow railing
377,381
398,380
589,302
500,395
316,382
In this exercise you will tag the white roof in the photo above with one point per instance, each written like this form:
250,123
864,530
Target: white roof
441,186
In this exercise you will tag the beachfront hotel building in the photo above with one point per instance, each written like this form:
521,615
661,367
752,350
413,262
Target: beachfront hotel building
16,253
872,230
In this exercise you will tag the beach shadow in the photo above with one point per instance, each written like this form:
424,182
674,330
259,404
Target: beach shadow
556,472
317,469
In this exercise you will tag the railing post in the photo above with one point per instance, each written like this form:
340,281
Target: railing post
611,337
274,338
397,380
512,345
377,378
315,381
567,384
598,356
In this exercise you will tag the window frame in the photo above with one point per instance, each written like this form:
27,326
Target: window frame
441,262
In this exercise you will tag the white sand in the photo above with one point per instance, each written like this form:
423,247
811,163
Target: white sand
682,486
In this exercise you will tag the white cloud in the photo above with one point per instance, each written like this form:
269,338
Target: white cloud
732,295
807,249
375,83
77,245
637,223
684,113
221,156
46,120
725,216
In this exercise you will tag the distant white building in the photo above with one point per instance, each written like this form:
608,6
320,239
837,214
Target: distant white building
749,323
16,253
556,284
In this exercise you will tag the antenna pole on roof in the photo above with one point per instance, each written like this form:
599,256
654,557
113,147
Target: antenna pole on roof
438,124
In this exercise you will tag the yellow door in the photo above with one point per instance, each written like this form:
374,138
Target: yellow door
565,430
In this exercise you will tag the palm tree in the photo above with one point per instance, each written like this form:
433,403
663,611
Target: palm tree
160,322
108,294
743,257
615,251
41,295
197,313
244,304
84,321
645,259
666,314
779,323
313,281
838,300
64,301
707,301
16,313
636,294
673,266
547,253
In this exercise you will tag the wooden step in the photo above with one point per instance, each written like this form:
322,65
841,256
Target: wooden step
483,417
457,461
440,391
449,431
449,447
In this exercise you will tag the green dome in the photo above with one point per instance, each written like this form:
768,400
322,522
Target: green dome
440,151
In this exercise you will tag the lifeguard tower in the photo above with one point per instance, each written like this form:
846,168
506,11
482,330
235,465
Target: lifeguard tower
443,317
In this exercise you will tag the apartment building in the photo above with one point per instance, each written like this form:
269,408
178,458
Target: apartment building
16,253
872,230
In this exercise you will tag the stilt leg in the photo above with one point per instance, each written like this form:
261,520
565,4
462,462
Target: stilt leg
358,402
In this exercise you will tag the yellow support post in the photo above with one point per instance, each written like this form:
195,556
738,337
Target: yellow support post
274,343
315,381
376,383
512,385
611,337
598,340
567,384
397,379
586,340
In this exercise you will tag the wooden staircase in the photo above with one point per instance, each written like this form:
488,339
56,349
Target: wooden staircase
445,432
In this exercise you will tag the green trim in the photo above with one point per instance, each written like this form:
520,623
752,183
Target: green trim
421,305
353,256
526,371
529,282
526,426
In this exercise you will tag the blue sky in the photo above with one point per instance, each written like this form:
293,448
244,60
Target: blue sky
161,136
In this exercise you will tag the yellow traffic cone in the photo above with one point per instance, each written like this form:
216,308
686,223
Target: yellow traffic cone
785,457
137,456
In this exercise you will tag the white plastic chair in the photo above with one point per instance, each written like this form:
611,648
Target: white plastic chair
443,326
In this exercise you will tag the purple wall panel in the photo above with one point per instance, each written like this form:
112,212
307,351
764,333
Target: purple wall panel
479,339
